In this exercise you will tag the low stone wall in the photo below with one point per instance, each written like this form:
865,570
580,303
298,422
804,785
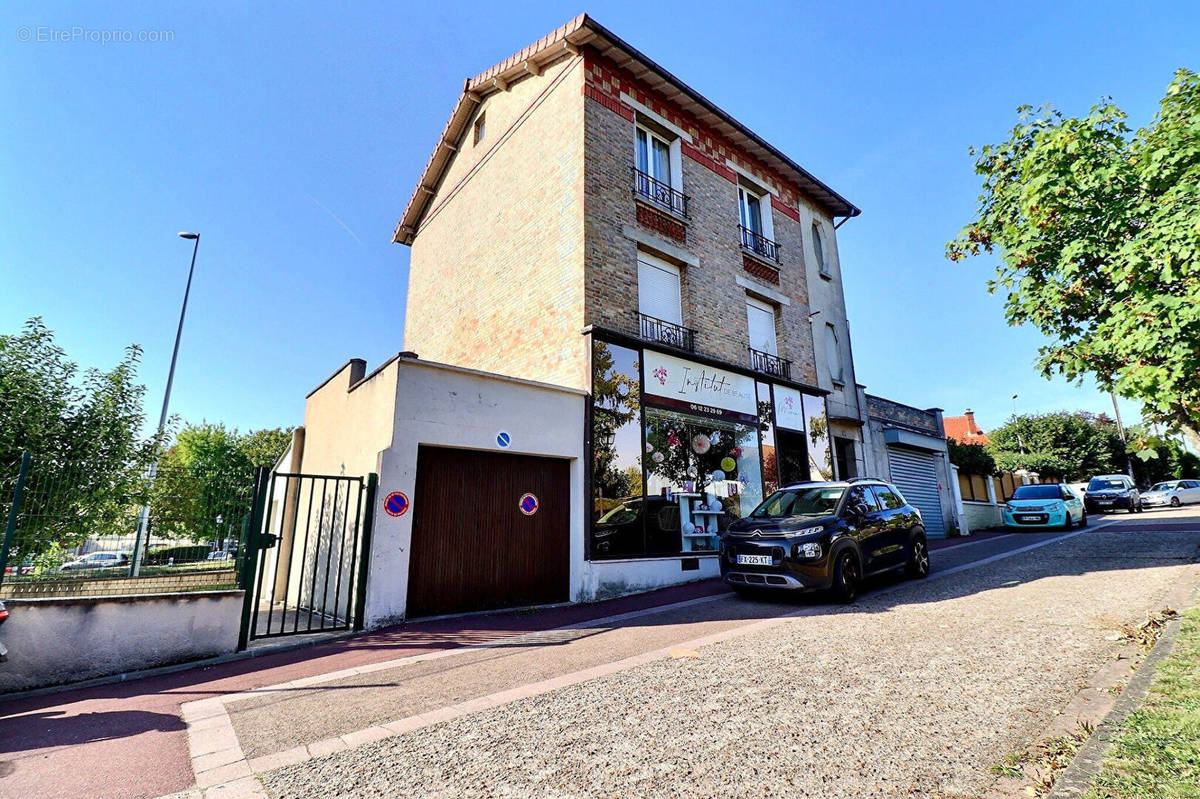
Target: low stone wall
55,641
981,515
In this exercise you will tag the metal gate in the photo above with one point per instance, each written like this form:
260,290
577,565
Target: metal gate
915,474
304,565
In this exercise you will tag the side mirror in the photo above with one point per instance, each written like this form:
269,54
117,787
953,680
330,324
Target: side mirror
857,510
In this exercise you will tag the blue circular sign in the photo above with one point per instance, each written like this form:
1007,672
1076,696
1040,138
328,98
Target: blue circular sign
503,439
396,503
528,504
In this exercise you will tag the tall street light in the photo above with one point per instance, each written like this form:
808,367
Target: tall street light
135,565
162,419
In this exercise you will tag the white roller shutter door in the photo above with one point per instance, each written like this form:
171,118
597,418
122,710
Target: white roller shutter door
915,474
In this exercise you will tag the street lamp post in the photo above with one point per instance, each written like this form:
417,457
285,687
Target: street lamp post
135,565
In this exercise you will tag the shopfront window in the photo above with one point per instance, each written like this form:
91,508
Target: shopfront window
702,473
820,456
618,506
680,450
766,428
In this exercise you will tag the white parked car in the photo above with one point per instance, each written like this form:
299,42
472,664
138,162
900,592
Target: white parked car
1173,493
97,560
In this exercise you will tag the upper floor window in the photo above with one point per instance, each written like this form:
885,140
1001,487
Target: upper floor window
761,320
819,250
658,289
754,221
480,128
833,354
654,155
750,210
658,168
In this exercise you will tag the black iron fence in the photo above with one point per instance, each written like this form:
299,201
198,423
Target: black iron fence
669,333
73,530
659,193
770,364
758,243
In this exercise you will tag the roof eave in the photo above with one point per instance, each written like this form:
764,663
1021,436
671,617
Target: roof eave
580,31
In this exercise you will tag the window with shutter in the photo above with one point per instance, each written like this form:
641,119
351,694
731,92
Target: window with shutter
833,354
658,289
761,319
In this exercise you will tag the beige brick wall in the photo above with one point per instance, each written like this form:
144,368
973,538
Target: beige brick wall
496,274
713,301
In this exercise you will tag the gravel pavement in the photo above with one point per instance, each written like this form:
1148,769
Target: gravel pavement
915,692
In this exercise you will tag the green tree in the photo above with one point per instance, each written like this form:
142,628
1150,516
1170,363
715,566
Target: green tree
1067,446
1096,229
971,458
84,434
205,478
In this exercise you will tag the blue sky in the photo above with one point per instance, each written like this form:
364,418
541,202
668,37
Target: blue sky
291,137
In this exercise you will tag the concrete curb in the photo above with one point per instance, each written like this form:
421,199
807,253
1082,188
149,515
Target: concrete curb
1079,777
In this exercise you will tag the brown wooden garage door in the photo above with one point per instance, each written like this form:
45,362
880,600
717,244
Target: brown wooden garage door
472,547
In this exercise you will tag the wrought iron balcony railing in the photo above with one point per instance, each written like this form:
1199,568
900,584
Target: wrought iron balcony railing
758,244
659,193
669,333
770,364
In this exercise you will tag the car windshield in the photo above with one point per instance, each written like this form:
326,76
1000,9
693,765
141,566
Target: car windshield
1038,492
1162,486
1100,484
624,513
802,501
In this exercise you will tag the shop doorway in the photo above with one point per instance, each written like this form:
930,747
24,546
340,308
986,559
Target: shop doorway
490,530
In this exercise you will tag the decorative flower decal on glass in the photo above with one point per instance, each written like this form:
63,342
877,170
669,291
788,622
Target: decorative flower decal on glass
660,374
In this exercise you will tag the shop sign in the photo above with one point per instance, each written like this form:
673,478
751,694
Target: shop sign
698,388
789,408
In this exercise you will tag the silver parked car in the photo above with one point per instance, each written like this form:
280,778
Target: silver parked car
1173,493
97,560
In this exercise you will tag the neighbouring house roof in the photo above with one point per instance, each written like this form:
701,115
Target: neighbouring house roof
580,31
963,429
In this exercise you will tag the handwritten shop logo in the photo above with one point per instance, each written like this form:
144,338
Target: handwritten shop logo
660,374
789,403
707,381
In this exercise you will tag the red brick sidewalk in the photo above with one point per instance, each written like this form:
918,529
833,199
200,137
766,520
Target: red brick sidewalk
126,740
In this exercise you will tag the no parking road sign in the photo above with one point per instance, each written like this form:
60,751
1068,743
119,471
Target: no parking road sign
528,504
396,503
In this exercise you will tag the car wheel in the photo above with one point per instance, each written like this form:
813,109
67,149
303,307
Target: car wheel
845,578
1069,523
1174,502
1083,520
918,560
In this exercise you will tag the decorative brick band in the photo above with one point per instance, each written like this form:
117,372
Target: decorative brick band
612,104
700,158
760,270
661,223
784,209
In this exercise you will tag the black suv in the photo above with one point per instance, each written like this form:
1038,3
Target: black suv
813,536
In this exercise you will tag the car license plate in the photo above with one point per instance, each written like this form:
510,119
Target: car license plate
1027,517
754,560
1105,502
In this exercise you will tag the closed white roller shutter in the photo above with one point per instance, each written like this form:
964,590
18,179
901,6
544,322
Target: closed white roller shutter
658,289
761,319
915,474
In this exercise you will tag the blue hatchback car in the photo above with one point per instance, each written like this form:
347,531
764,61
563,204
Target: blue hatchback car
1053,506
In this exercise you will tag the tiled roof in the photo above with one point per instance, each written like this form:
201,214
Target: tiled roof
963,429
